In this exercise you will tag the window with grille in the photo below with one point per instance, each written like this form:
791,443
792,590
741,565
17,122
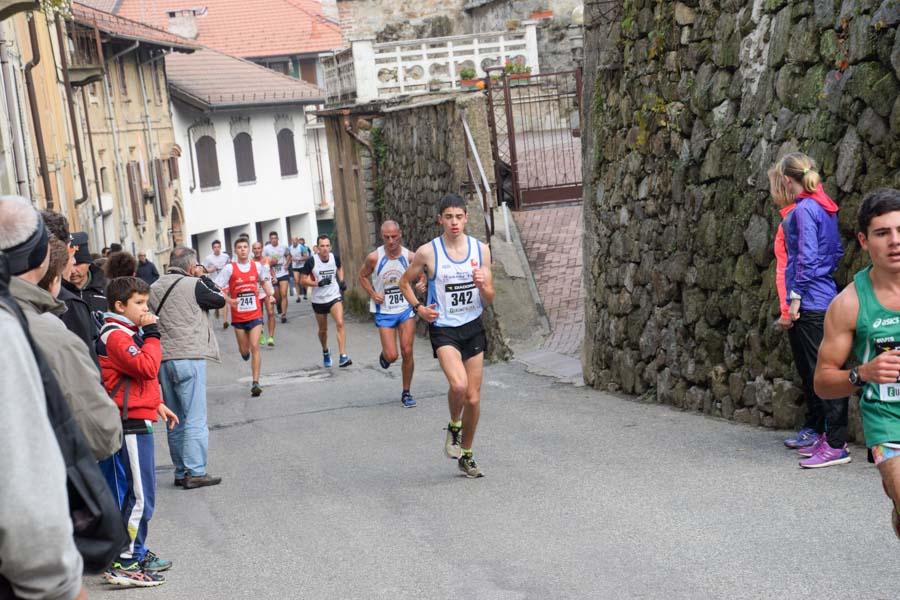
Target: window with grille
207,162
287,155
243,158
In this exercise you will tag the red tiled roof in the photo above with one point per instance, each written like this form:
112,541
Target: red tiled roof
210,79
248,28
121,27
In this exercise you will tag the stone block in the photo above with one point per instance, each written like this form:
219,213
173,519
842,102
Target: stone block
684,14
742,415
871,127
849,159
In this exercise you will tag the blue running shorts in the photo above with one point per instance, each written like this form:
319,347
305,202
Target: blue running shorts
393,321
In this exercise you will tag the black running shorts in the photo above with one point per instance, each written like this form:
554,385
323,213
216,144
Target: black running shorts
325,308
469,339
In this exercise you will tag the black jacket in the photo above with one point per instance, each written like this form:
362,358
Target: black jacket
78,318
94,293
147,271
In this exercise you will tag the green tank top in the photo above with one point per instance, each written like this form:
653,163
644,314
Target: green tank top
877,330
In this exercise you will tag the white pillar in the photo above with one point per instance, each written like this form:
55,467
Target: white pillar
531,46
365,71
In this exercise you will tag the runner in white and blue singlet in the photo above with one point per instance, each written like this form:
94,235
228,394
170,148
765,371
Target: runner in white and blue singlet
380,278
459,286
324,273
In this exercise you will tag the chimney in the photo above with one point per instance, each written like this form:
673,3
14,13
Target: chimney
184,22
330,10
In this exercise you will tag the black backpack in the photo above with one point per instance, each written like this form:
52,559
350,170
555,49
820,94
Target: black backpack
99,530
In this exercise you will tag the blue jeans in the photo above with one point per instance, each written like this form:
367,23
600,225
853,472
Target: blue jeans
184,390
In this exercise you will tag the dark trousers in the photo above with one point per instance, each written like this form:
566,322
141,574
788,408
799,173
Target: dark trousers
825,416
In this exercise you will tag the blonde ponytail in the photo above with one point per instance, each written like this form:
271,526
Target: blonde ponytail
802,169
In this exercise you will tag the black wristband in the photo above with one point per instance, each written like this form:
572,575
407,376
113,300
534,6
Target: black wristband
417,307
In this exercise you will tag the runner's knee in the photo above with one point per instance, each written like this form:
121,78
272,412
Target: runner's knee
459,388
390,355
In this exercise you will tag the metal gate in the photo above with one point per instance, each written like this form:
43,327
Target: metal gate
535,123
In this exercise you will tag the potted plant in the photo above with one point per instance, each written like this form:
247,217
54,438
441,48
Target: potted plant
468,80
517,73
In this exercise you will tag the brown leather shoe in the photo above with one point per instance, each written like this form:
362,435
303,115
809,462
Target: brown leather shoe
191,482
179,482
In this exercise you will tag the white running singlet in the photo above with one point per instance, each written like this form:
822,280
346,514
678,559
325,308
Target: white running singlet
386,281
452,287
322,270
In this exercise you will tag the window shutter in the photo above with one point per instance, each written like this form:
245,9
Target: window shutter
136,192
162,187
243,157
287,155
207,162
174,175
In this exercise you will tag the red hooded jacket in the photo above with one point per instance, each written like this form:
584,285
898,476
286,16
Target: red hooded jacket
781,260
123,352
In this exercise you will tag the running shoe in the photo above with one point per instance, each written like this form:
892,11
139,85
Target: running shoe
151,562
255,390
811,450
297,300
284,318
383,361
452,442
827,457
225,325
130,574
805,437
468,466
344,361
262,339
271,341
407,400
326,359
246,357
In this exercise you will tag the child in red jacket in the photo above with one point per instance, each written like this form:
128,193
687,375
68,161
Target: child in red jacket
130,355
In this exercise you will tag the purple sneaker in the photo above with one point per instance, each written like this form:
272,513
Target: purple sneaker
804,438
827,457
812,450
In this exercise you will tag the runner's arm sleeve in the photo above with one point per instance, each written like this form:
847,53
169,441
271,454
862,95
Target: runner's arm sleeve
37,552
208,296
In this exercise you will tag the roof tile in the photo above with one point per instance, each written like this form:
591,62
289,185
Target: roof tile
126,28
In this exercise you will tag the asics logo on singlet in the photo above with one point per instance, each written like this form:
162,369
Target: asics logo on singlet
879,322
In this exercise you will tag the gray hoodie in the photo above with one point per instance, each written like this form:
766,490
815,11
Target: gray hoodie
71,363
37,552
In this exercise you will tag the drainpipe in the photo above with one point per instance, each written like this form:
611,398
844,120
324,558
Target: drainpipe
90,137
12,99
35,113
190,130
70,100
152,165
111,118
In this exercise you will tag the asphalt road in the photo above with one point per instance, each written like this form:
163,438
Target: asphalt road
332,490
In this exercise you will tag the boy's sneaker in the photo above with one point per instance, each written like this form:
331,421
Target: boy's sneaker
407,400
811,450
468,466
255,390
827,457
326,359
452,443
805,437
132,575
344,361
383,361
151,562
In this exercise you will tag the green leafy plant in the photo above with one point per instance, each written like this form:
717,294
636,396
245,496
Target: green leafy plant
467,73
379,147
62,7
516,68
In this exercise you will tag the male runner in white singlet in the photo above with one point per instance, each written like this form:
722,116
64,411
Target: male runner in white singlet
380,277
257,256
459,285
240,282
214,263
279,258
323,272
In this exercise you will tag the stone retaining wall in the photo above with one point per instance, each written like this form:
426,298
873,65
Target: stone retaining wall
688,104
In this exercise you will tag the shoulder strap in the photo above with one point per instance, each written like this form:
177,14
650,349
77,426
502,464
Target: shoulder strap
166,295
126,381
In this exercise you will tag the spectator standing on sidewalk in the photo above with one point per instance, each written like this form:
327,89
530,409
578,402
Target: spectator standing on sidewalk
87,277
38,557
146,270
810,251
181,301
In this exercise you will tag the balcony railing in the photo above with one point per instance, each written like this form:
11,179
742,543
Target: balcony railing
367,71
86,54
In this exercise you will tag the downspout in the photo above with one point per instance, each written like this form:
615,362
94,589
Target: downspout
90,137
190,130
70,100
13,115
111,118
35,114
154,176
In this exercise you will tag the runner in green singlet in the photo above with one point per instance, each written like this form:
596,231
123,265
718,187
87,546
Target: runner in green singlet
865,319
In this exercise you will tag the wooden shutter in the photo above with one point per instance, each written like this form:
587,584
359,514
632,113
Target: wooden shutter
287,154
136,192
207,162
243,158
162,187
174,175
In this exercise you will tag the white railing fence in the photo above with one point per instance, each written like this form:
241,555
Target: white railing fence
367,71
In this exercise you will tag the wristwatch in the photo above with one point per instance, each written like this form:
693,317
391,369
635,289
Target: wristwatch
417,307
854,378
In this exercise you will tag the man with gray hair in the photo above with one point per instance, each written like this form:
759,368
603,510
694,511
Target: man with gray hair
181,300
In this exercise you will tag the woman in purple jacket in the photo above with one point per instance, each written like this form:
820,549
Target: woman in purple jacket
814,248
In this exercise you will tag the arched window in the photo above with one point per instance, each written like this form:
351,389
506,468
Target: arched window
207,162
243,158
287,156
